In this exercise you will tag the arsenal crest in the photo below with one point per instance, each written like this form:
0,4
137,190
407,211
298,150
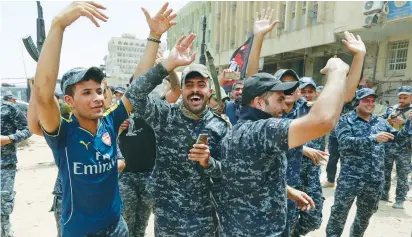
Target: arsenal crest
106,139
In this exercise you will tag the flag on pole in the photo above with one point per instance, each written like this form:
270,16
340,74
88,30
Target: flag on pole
239,59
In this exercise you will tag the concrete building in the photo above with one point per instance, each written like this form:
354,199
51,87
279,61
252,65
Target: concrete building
308,35
125,53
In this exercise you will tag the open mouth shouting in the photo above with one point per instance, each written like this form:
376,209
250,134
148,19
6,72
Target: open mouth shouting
195,100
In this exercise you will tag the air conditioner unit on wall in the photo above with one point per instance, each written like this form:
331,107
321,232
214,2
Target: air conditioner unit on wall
372,7
371,20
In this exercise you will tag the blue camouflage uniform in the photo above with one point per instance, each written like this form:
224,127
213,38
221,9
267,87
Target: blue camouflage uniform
362,170
182,204
13,125
253,188
399,152
310,184
294,158
252,200
310,181
333,146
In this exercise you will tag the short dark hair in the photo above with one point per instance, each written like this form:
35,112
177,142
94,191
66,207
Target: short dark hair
237,83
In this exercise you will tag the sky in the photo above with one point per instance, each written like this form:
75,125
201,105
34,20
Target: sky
84,44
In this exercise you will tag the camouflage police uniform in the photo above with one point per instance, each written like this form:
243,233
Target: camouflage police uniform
310,184
13,125
310,181
182,204
333,146
300,108
362,170
252,200
399,152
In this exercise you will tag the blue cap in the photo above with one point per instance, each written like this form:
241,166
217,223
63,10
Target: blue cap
405,90
78,74
319,88
120,90
9,96
306,81
362,93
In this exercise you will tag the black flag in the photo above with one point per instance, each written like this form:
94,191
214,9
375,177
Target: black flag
239,59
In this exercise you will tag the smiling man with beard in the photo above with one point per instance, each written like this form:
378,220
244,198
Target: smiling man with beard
180,179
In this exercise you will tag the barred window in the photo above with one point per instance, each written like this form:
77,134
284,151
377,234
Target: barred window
397,55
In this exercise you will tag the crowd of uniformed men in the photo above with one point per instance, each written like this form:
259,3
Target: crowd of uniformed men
259,172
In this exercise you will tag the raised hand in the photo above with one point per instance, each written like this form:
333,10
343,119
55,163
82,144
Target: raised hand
181,54
263,24
223,81
354,44
75,10
161,22
335,64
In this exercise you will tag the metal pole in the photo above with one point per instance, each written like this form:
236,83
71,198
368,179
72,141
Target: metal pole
202,59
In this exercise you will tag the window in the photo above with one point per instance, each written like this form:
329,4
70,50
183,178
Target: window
397,55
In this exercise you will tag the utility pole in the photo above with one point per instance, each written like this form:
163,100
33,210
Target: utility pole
202,59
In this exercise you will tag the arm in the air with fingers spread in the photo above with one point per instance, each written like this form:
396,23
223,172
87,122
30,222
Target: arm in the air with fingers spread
48,64
262,26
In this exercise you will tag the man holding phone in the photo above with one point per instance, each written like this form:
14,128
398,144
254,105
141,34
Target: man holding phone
399,151
182,203
361,136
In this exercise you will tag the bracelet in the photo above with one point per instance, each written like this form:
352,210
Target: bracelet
153,40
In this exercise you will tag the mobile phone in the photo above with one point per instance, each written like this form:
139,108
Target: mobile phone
202,139
394,133
233,75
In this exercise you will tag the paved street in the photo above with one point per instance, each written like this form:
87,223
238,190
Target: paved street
37,173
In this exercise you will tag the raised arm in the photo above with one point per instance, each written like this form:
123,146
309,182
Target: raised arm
263,25
325,112
48,64
138,91
358,49
173,95
32,113
158,25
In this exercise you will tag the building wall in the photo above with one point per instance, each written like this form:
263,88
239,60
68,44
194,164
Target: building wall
125,53
309,32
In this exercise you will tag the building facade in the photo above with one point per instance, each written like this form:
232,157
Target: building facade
125,53
309,33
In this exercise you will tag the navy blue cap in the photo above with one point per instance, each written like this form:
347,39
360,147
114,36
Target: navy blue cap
362,93
405,90
78,74
260,83
283,72
306,81
319,88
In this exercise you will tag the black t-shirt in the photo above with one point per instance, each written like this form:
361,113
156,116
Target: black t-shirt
138,146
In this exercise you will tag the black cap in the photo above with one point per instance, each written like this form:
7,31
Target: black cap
260,83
